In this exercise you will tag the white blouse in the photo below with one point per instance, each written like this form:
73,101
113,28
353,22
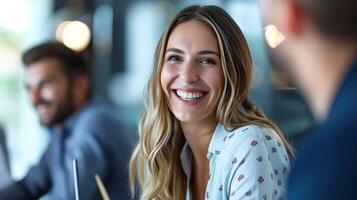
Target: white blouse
250,162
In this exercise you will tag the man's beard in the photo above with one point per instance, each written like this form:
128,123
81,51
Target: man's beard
64,109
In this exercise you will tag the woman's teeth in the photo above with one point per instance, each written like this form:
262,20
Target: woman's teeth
189,95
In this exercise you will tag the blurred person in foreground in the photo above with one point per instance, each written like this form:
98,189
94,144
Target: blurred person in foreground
83,127
200,135
320,53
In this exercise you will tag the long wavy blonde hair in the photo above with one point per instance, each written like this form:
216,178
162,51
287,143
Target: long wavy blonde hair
155,162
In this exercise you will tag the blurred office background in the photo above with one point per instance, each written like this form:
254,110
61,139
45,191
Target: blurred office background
119,36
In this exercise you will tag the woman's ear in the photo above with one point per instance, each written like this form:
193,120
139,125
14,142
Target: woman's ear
80,90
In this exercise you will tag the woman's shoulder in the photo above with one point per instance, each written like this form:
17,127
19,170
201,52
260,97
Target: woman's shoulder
251,155
251,136
247,132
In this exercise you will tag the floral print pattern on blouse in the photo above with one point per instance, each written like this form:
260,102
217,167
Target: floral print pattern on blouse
250,162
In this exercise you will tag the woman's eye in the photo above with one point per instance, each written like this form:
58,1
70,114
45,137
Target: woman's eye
207,61
174,58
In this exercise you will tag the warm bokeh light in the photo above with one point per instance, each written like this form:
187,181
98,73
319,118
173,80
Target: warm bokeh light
60,29
76,35
273,36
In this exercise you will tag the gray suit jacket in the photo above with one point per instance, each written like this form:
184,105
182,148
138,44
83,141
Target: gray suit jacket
4,161
96,138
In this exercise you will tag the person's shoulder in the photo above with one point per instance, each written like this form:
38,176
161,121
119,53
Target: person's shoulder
240,139
251,135
97,118
97,112
246,132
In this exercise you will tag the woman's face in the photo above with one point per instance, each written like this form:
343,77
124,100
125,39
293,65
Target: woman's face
191,76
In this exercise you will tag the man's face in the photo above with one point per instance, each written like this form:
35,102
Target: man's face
49,91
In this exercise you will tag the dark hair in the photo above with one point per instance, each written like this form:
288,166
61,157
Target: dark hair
333,18
72,63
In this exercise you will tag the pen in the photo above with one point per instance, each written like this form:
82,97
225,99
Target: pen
75,179
101,187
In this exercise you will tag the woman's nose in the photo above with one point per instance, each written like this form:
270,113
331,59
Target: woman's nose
189,72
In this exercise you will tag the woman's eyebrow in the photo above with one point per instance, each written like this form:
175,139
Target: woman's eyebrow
208,52
175,50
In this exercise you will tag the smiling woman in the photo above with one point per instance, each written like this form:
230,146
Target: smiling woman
192,76
200,136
